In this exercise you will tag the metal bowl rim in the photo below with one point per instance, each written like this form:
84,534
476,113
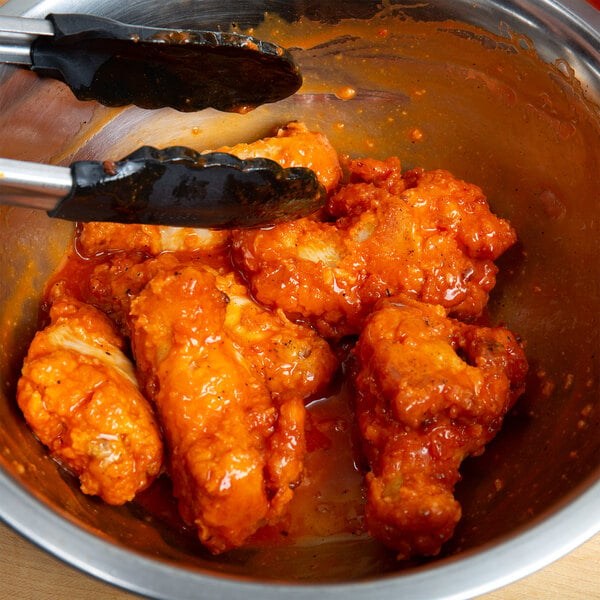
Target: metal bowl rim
539,543
497,564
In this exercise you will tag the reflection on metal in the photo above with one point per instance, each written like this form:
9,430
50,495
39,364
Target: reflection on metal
515,140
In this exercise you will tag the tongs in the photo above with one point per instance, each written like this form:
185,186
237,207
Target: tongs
175,186
118,64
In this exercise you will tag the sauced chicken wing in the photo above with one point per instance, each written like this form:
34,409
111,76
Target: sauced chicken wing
235,430
80,396
295,146
424,234
116,281
95,238
430,392
292,146
291,357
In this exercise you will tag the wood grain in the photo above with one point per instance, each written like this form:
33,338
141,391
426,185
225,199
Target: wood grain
28,573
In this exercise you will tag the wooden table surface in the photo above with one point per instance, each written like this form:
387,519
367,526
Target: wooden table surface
28,573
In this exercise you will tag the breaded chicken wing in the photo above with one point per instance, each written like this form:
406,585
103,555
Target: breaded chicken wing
291,357
235,431
97,238
292,146
424,234
79,394
295,146
115,282
430,392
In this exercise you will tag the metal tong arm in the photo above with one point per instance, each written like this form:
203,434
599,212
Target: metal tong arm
175,186
16,36
44,186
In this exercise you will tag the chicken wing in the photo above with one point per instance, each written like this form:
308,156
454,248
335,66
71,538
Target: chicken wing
292,146
295,146
424,234
150,240
234,430
290,356
430,392
80,396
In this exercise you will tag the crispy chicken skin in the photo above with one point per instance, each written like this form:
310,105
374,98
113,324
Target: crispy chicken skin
290,356
424,234
234,428
231,333
80,396
292,146
117,280
295,146
430,391
97,238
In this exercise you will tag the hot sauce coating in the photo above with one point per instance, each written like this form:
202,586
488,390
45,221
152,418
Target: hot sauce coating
236,442
295,146
100,237
207,353
80,396
292,146
290,356
228,328
424,234
430,391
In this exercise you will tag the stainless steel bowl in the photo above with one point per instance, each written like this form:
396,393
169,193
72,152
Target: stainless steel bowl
504,94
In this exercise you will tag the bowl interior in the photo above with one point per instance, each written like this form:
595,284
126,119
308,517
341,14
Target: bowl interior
505,98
